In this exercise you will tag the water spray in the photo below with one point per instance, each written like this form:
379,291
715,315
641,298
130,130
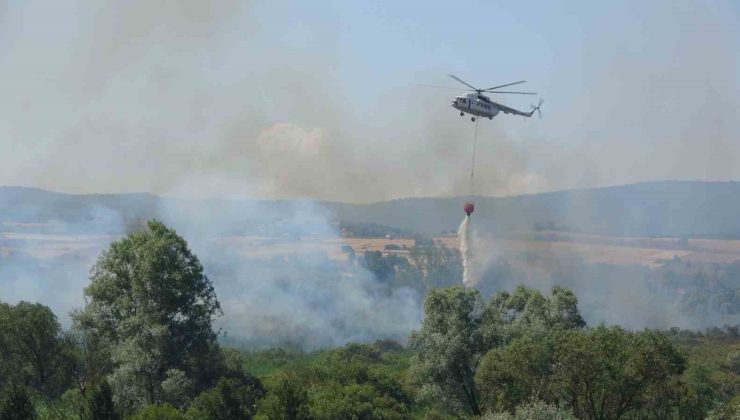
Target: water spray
464,231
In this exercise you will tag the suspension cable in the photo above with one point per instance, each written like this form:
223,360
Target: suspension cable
472,164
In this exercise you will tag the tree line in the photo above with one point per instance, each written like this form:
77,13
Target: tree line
144,347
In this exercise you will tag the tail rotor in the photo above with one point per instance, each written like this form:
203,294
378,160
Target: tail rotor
537,108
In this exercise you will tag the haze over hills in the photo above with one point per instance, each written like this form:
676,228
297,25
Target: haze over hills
668,208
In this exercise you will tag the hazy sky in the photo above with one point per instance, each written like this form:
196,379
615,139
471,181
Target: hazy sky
318,99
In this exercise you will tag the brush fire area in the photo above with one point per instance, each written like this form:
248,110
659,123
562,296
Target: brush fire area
291,210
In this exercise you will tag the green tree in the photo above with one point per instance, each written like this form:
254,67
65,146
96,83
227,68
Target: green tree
176,388
356,381
158,412
527,312
526,324
16,404
450,344
353,401
459,329
8,364
42,345
384,268
699,395
440,265
286,399
727,411
99,404
229,399
512,375
35,352
607,373
66,407
152,307
533,410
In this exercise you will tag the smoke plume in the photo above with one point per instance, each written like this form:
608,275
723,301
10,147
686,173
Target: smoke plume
284,100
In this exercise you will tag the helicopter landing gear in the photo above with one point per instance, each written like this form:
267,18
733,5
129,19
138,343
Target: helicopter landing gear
462,114
472,119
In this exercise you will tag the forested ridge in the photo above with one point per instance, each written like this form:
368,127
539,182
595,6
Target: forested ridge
144,346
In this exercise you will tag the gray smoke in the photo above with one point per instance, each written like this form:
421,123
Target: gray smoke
298,296
307,294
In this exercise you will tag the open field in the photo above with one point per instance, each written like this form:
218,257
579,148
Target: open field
254,246
545,246
43,246
541,246
649,252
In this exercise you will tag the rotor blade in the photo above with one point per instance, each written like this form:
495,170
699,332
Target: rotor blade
440,87
461,81
508,84
518,93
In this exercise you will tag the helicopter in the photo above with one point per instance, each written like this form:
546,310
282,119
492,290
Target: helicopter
478,105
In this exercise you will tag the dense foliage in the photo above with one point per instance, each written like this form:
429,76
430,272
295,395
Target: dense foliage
143,348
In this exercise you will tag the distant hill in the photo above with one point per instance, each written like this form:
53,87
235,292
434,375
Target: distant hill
670,208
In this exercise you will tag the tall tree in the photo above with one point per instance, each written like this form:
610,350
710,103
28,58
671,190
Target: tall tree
527,312
608,372
39,343
459,329
514,374
35,352
152,305
450,344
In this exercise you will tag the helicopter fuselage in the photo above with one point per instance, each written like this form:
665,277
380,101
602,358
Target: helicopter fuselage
476,104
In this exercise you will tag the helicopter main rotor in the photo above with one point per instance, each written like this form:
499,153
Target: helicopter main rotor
492,89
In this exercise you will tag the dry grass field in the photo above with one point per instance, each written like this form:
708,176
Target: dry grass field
541,247
610,250
254,246
649,252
